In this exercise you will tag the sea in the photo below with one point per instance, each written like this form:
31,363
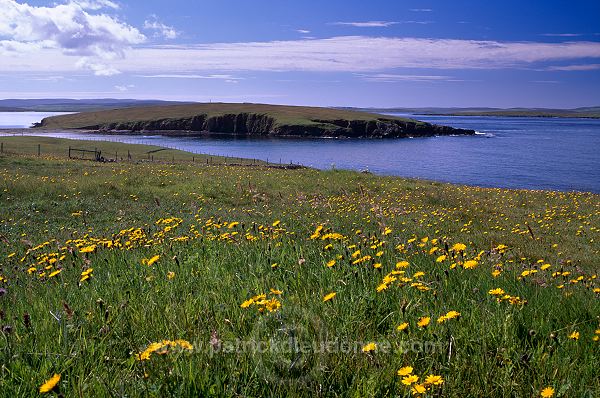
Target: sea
507,152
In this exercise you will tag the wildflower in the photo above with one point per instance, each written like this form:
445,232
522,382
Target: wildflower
418,389
547,392
408,380
151,260
170,275
423,321
369,347
470,264
330,263
87,249
402,264
496,292
276,292
50,384
441,258
402,326
459,247
405,371
329,296
448,316
58,271
276,223
434,380
377,265
247,303
272,305
574,335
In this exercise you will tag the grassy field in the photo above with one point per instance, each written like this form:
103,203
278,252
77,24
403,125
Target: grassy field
156,279
284,115
59,148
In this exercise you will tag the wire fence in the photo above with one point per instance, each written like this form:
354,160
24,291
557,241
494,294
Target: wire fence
162,155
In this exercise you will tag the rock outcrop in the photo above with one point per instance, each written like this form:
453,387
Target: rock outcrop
254,124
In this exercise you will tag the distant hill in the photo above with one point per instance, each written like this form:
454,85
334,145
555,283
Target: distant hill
585,112
73,105
248,119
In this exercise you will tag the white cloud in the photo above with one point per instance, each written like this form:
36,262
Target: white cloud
96,4
575,67
368,24
358,54
99,68
421,9
303,31
562,34
392,77
68,28
226,78
379,24
160,29
124,88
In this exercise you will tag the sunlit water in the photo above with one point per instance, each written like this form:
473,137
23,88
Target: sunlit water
533,153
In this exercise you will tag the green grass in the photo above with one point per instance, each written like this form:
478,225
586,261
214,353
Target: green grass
284,115
59,148
235,232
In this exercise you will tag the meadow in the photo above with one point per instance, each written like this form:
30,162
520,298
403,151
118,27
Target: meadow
187,279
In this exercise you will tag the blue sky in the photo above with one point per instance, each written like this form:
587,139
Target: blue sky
330,53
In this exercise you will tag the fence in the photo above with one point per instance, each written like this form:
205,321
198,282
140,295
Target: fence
95,154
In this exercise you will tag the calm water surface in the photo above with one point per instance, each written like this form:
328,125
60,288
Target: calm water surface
533,153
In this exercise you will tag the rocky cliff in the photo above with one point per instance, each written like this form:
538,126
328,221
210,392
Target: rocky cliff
255,124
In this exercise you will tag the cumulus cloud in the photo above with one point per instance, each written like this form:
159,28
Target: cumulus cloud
160,29
69,28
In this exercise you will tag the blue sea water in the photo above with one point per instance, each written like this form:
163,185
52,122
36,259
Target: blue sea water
531,153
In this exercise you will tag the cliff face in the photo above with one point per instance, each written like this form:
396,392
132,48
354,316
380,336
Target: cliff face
254,124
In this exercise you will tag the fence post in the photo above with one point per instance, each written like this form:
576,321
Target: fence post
116,156
39,150
1,147
128,155
69,152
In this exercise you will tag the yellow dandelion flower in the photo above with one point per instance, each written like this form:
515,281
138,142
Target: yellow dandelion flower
405,371
441,258
408,380
58,271
329,296
434,380
369,347
170,275
459,247
547,392
50,384
423,321
330,263
470,264
276,292
402,326
152,260
418,389
496,292
402,264
574,335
